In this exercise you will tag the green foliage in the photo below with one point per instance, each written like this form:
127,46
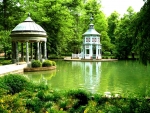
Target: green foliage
107,53
36,64
142,40
14,83
113,20
5,62
81,95
53,63
42,99
5,41
124,34
47,63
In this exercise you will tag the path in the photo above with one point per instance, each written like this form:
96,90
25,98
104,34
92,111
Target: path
12,68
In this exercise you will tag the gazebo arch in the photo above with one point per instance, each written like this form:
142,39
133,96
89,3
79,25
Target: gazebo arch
28,32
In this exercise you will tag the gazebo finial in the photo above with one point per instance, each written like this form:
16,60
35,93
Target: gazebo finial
29,14
91,19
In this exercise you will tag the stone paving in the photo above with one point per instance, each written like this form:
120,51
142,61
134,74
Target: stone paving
89,60
12,68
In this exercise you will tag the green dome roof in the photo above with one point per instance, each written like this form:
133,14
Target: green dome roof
91,31
28,30
28,25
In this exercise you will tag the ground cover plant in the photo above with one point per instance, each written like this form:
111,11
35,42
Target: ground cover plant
18,94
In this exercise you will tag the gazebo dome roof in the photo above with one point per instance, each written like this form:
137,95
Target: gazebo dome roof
28,30
28,25
91,31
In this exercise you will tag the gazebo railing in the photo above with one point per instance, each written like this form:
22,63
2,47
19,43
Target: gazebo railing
76,56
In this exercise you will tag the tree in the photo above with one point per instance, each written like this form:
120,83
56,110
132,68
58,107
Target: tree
113,20
125,34
5,41
10,14
142,33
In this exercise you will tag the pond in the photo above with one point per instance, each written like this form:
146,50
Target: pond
123,77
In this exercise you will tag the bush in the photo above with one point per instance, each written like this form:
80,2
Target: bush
36,63
107,53
5,62
47,63
53,63
81,95
14,83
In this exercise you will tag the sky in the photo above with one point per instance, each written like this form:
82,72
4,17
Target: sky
121,6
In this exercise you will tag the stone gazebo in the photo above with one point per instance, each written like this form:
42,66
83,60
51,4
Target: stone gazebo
29,33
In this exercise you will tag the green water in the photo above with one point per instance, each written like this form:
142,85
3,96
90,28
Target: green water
124,77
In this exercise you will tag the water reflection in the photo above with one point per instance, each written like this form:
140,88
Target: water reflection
122,77
91,72
41,76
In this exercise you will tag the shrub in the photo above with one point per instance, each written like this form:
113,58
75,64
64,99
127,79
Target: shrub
14,83
36,63
5,62
47,63
81,95
53,63
107,53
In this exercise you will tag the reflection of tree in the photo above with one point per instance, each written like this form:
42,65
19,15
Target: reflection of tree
41,75
125,78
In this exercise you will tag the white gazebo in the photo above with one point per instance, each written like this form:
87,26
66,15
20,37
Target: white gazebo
91,44
29,33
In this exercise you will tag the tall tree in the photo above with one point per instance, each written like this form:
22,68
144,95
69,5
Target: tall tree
55,18
5,41
125,34
142,32
113,20
10,14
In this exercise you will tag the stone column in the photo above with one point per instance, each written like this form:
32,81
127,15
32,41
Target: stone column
13,52
27,53
31,47
45,51
97,49
17,58
38,51
22,52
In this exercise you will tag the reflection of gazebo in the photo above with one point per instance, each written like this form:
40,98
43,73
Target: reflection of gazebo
28,32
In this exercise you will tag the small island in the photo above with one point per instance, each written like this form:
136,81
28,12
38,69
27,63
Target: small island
36,65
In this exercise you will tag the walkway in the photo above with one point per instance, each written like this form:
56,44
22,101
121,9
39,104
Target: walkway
89,60
12,68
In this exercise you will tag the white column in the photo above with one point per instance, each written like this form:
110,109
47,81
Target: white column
38,51
27,52
31,47
97,52
91,51
45,51
17,59
22,53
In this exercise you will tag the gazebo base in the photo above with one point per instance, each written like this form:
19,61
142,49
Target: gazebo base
39,69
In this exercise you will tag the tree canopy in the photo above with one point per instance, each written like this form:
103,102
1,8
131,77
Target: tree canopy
66,20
